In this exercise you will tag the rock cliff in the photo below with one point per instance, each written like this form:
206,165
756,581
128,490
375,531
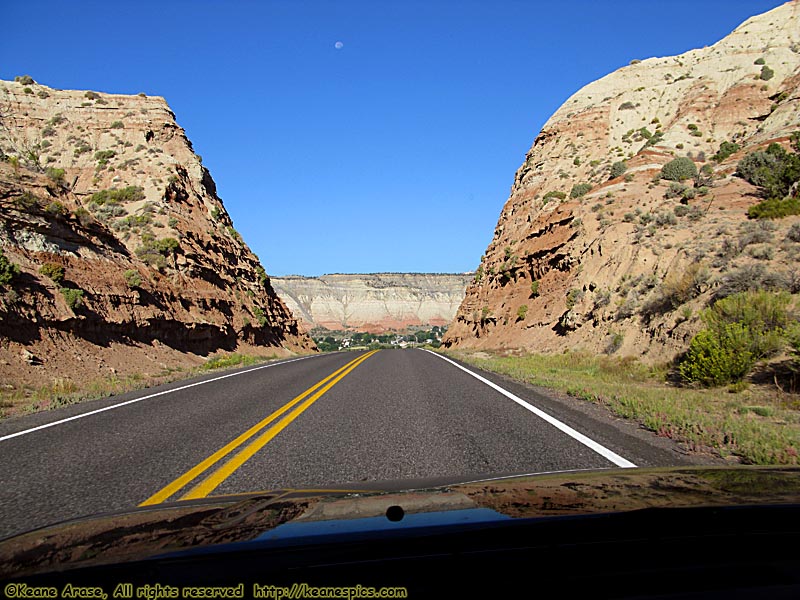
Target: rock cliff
126,260
591,243
376,302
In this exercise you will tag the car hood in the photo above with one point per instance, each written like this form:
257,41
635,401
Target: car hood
286,517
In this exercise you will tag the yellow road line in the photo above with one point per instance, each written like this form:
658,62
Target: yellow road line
209,462
208,485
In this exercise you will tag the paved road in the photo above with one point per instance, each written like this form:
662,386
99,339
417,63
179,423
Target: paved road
332,420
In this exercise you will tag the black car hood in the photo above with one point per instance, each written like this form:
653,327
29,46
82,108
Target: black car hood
283,517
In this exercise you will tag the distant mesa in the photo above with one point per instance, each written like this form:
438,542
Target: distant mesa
375,302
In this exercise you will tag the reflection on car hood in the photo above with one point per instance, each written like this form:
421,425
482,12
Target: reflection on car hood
289,516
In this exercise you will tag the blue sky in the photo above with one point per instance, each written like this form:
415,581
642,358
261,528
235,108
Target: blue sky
394,152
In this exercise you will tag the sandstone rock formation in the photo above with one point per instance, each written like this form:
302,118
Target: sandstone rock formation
128,261
589,245
376,302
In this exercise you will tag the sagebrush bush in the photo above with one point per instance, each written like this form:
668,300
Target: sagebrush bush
750,277
680,287
679,169
675,190
794,233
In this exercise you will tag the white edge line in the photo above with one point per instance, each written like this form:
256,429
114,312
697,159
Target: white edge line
577,435
177,389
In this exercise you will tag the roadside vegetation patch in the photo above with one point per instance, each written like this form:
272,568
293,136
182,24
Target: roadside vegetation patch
703,419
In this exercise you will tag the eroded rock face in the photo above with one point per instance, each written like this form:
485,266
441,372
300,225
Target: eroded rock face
375,302
590,271
154,274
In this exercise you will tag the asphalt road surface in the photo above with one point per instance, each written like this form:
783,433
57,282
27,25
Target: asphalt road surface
341,420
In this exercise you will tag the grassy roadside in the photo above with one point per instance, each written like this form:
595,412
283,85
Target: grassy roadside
64,392
759,425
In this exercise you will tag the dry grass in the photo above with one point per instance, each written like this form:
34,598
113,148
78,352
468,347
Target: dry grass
757,425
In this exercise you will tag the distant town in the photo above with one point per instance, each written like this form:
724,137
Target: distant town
333,341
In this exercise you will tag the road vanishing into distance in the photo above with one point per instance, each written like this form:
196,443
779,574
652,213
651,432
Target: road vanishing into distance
344,420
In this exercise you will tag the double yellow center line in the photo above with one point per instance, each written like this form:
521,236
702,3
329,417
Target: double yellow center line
294,408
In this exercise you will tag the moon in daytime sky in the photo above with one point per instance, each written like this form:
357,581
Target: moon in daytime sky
338,45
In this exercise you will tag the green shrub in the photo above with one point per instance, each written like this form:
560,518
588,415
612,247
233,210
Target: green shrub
554,194
117,125
675,190
615,343
92,95
8,270
132,278
759,61
263,279
127,194
74,297
56,209
794,233
534,289
104,154
24,79
714,360
52,270
153,251
773,170
261,318
679,169
84,216
579,189
574,296
27,201
627,106
774,209
618,168
55,175
27,90
766,73
665,218
680,210
740,330
522,311
725,150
